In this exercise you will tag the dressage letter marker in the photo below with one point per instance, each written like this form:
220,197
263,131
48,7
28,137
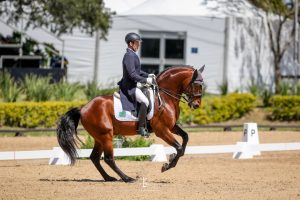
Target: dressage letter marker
250,137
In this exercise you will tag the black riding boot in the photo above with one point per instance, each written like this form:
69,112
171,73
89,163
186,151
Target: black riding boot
142,121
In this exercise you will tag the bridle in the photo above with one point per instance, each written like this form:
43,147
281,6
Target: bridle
188,93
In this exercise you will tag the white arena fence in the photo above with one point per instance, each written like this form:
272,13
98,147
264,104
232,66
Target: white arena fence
246,149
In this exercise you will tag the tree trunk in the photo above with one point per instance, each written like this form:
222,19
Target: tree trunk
277,75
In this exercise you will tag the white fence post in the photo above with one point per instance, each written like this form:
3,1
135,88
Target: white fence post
59,157
159,154
250,137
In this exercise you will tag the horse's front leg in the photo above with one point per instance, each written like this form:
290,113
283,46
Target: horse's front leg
168,137
185,137
173,159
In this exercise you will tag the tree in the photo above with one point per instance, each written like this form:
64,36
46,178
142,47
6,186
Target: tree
59,16
283,11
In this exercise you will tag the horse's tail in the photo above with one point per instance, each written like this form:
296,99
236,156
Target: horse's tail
66,130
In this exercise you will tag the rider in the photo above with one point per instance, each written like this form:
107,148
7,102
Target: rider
132,74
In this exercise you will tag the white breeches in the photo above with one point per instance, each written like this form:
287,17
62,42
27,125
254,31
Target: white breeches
140,97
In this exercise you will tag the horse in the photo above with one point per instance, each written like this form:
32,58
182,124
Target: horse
97,117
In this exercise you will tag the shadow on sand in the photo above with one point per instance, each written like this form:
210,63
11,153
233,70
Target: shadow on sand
75,180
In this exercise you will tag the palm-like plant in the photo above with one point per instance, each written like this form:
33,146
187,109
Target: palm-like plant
91,90
37,88
10,90
223,88
65,91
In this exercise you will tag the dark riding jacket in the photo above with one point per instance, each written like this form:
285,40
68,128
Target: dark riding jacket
132,74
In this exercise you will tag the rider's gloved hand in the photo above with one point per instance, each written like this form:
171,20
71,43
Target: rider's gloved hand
149,80
152,75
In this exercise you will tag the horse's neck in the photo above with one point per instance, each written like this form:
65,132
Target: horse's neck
174,82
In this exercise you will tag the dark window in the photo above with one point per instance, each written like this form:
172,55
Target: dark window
150,48
174,48
150,69
167,66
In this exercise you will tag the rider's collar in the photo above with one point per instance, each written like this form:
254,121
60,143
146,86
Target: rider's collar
128,49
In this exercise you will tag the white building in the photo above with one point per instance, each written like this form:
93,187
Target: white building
229,37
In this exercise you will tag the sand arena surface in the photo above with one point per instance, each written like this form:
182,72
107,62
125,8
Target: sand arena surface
273,175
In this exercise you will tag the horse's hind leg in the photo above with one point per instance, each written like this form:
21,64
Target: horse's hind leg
95,158
109,159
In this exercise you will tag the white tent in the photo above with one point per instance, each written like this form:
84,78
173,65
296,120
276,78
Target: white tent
206,8
230,37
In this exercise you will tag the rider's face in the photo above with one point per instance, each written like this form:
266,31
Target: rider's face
134,45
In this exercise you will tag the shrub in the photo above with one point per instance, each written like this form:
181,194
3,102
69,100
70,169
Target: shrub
218,109
88,144
64,91
37,88
92,90
34,114
285,88
253,88
10,90
137,142
223,88
285,108
127,143
266,95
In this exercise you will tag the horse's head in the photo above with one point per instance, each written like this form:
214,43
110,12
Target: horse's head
194,89
182,82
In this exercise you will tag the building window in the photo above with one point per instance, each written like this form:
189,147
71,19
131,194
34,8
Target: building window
150,48
174,48
150,69
162,49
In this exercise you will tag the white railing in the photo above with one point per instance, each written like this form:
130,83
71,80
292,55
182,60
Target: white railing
158,152
246,149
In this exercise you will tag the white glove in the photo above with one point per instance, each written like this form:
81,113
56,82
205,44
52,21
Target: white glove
149,80
152,75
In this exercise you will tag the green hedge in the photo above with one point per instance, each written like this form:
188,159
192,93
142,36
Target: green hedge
285,108
46,114
34,114
218,109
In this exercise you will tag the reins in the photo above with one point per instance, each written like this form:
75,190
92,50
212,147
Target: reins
187,98
178,97
175,96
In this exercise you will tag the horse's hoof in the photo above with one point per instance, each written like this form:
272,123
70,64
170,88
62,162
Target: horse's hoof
110,179
129,180
165,167
171,157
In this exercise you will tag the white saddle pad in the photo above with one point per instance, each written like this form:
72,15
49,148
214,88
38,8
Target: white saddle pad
123,115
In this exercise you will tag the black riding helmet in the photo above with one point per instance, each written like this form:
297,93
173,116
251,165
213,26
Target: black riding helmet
131,37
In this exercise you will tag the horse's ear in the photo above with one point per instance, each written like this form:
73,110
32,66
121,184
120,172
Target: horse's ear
195,75
201,69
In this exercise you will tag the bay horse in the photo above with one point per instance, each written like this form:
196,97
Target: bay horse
98,119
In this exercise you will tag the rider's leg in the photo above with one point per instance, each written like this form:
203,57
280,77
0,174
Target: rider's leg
142,99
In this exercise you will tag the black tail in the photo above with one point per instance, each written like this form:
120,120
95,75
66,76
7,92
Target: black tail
66,130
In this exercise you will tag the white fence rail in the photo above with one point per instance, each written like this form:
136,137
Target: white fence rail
246,149
158,152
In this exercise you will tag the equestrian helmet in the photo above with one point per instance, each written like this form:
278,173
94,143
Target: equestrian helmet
131,37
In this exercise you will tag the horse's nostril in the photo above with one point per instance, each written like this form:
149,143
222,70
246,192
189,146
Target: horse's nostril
195,106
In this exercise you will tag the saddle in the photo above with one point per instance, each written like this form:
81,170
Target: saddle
123,115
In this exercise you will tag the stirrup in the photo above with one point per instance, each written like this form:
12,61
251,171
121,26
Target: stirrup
143,132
